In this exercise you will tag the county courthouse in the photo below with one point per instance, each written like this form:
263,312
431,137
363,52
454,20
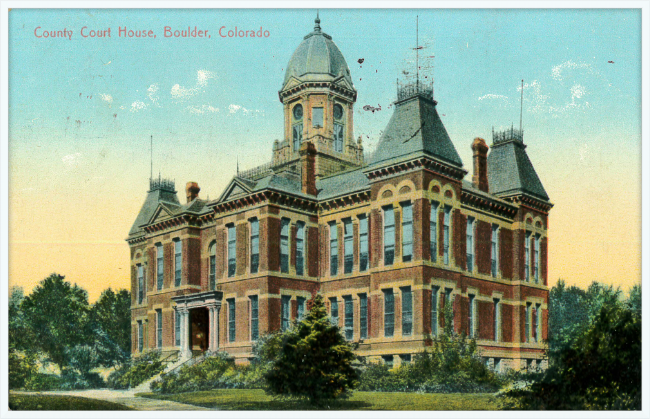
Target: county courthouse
388,239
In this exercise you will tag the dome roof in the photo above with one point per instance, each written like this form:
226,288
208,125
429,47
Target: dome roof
317,58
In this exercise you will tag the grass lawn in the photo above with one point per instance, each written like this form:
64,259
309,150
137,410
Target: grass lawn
228,399
49,402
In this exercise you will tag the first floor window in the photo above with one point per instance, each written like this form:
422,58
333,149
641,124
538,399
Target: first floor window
232,326
300,248
301,307
349,317
334,249
497,320
284,245
255,333
538,312
140,336
449,300
334,311
363,316
232,251
389,235
177,327
407,311
159,328
435,297
363,243
389,313
471,316
285,312
527,327
255,245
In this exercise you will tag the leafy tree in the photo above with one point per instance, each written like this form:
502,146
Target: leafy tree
110,327
57,313
20,335
315,361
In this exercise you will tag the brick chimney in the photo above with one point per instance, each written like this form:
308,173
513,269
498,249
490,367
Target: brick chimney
308,161
480,178
192,191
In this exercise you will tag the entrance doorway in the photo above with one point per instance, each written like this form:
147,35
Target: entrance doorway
200,329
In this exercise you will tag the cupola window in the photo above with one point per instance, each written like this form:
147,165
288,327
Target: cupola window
338,138
297,126
317,117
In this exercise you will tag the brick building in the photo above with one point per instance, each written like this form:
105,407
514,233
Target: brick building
389,240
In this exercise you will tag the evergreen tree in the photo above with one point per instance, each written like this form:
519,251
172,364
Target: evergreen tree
315,361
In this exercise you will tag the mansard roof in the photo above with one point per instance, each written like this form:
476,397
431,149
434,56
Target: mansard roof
415,129
510,171
343,183
160,191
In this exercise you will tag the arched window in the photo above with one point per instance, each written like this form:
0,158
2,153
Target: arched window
213,265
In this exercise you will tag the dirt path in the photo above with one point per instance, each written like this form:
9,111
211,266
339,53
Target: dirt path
123,397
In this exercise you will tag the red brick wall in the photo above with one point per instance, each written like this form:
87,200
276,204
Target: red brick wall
506,254
486,323
192,262
459,241
273,244
483,247
418,228
241,230
507,326
312,253
325,250
376,234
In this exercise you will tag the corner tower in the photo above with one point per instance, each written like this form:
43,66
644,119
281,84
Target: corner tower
318,98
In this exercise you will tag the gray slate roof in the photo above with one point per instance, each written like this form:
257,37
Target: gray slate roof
151,202
511,171
415,129
317,58
342,184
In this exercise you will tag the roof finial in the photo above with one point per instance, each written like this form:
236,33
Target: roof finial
317,21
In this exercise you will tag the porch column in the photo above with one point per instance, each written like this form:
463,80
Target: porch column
211,330
186,334
216,327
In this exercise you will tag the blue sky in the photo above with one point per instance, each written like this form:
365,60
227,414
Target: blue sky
82,110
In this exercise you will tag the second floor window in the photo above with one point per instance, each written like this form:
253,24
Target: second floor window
140,284
527,253
285,313
433,231
284,245
495,250
407,311
232,251
470,244
536,262
363,244
300,248
349,317
446,231
334,249
389,313
363,316
348,255
178,262
255,245
407,232
213,265
389,235
160,267
255,330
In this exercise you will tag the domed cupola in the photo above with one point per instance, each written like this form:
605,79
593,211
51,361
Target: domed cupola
318,98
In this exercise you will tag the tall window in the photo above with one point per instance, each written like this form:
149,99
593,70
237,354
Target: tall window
448,300
348,258
232,326
159,328
140,336
285,312
334,249
284,245
446,231
389,235
297,136
338,138
317,117
471,315
177,327
363,244
213,265
407,232
389,313
497,320
349,317
433,231
363,316
255,245
255,330
407,311
527,315
301,307
232,250
334,311
538,312
527,252
160,267
178,262
435,297
536,262
470,244
495,250
533,323
300,248
140,284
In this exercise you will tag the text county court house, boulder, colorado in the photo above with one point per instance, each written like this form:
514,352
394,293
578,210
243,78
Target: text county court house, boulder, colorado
389,240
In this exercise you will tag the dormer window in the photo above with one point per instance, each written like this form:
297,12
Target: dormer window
317,117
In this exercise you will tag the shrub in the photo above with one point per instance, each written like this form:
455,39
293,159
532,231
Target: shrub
43,382
21,369
137,371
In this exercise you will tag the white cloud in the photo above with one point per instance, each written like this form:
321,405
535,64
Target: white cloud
138,106
557,71
534,96
152,93
71,159
235,108
179,92
202,77
106,97
493,96
202,109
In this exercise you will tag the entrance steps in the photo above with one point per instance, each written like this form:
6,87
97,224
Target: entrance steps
173,366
